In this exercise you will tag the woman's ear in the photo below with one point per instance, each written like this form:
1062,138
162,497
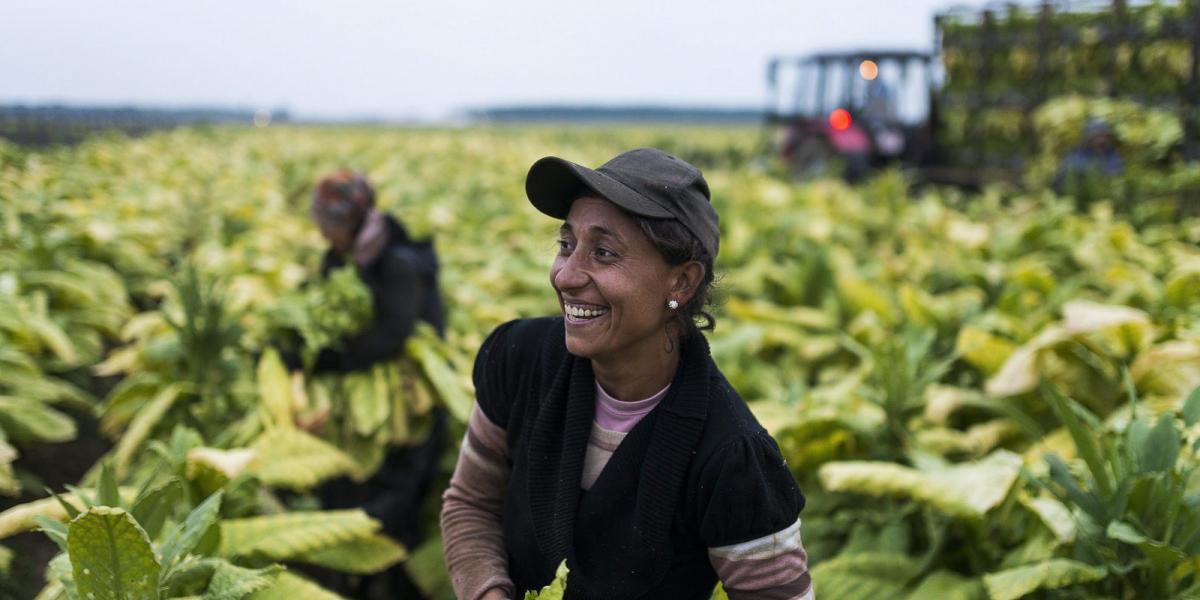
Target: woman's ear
686,281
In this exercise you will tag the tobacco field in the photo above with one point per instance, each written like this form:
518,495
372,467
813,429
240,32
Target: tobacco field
992,395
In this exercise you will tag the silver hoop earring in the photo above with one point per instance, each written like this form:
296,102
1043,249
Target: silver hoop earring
672,304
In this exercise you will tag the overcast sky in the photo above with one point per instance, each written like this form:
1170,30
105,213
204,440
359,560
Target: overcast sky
427,59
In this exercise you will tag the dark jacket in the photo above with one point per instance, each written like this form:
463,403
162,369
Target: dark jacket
404,287
696,472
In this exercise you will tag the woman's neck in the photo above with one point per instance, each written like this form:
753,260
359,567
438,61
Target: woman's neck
631,379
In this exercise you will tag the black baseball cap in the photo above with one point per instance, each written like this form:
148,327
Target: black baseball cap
645,181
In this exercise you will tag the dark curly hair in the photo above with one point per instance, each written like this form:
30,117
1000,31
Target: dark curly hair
679,246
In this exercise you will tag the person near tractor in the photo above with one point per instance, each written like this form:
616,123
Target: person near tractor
402,275
1094,160
606,436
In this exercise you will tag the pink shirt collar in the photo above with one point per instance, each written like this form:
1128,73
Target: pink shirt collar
616,415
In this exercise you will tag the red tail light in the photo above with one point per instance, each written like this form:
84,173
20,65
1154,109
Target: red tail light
840,119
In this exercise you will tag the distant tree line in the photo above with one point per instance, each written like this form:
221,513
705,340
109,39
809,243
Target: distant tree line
616,114
58,124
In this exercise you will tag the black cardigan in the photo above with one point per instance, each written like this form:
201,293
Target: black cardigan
696,472
404,289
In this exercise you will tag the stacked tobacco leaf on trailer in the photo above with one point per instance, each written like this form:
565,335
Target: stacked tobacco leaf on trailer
1021,82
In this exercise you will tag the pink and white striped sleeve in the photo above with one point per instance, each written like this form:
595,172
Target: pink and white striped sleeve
772,567
473,541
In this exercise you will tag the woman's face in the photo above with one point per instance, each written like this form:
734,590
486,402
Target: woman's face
340,238
612,283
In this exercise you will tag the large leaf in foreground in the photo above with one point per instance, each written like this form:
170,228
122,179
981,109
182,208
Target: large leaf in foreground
111,557
556,589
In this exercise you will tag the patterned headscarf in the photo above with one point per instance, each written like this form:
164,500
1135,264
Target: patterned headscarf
342,199
345,199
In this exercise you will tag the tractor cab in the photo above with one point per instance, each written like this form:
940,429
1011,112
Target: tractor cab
850,110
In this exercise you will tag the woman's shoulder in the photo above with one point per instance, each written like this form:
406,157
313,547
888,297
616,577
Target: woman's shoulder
508,359
520,336
744,487
729,417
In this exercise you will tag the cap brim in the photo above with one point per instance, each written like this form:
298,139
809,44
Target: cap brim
554,183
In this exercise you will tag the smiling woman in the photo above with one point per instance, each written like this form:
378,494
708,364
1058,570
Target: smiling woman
607,437
614,287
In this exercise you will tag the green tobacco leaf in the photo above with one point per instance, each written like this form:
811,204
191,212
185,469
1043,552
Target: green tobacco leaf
61,582
966,491
362,556
204,477
106,488
1170,369
556,589
948,585
1125,533
368,401
230,582
111,557
1089,501
290,536
422,347
427,567
155,505
9,486
68,508
6,557
293,587
864,576
809,442
88,498
982,349
187,534
1191,407
126,399
1163,555
190,575
228,463
52,336
1036,548
24,420
19,518
1020,371
1055,515
292,458
1160,449
1068,411
54,529
275,389
142,425
1052,574
719,593
1123,330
